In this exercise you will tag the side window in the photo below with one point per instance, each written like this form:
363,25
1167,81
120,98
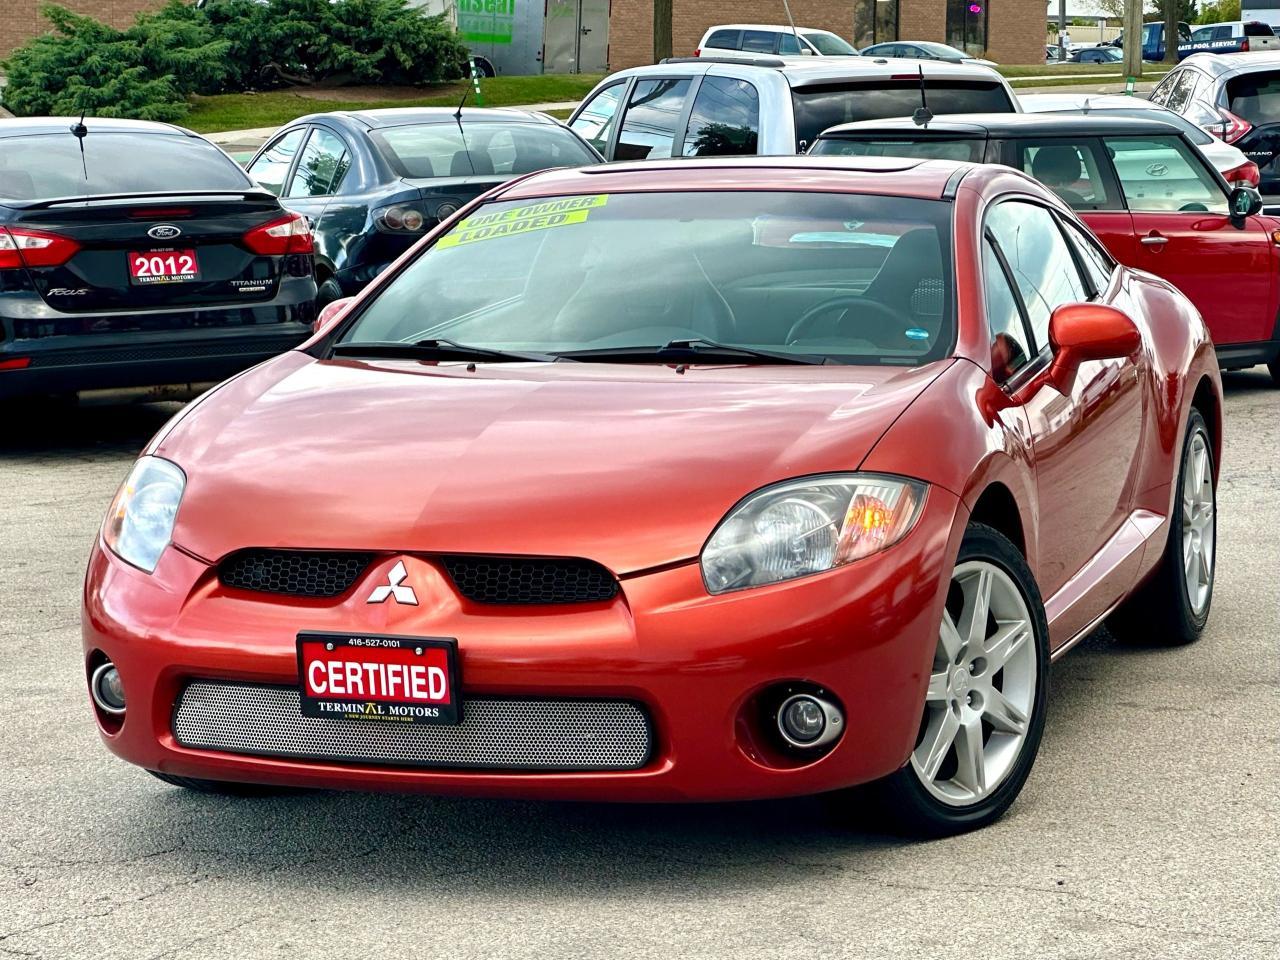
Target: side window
1010,348
1097,264
649,126
724,39
1160,94
272,165
322,166
725,119
1203,35
1222,33
1072,170
595,123
1161,175
758,41
1039,260
1180,93
788,44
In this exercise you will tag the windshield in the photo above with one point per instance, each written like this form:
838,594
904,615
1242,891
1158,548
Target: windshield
822,106
860,279
829,45
44,166
967,150
425,150
942,50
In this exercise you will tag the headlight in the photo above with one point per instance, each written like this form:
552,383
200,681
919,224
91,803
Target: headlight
140,521
806,526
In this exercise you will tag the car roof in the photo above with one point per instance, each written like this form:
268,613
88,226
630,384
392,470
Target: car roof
402,116
812,71
890,176
26,126
763,26
1010,124
1042,102
1221,64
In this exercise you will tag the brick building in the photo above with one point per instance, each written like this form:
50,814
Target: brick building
1010,31
20,20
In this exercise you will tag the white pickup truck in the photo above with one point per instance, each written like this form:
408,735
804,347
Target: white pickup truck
1234,36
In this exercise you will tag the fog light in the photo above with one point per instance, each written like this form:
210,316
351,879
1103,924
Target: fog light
808,721
107,689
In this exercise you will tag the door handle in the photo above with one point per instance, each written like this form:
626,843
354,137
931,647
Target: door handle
585,30
1154,239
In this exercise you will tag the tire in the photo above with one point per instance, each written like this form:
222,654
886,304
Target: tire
328,292
951,799
1163,611
223,788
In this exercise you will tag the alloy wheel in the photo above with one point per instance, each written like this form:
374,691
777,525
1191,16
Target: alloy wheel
982,688
1199,532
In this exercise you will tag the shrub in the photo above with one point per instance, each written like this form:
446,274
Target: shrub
146,71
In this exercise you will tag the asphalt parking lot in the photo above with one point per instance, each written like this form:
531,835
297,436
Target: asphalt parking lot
1148,828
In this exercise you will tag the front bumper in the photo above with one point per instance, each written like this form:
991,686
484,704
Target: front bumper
696,664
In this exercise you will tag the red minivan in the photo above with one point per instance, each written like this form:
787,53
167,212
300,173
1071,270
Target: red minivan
1143,188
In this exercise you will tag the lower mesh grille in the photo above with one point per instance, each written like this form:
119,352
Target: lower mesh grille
530,735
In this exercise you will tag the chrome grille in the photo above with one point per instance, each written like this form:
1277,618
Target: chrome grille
494,733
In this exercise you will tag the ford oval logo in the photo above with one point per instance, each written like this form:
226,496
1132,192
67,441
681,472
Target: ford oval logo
164,231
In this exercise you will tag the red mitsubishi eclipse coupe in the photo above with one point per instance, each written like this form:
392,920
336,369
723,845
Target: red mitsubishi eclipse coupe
677,481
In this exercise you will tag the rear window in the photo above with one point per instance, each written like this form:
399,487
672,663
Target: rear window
821,106
1255,96
967,150
829,45
1257,29
724,39
422,151
45,166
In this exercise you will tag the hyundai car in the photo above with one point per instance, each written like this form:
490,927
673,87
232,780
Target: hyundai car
701,480
138,261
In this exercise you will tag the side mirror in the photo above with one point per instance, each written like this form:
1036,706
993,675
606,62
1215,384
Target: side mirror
1243,202
1088,331
331,312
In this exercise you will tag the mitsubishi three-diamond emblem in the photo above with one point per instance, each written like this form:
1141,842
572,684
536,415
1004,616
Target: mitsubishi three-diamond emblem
394,587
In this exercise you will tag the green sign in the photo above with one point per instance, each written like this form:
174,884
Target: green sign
486,21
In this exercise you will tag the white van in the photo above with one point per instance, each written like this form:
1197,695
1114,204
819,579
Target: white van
770,40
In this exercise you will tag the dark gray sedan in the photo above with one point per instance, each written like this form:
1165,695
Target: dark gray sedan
372,182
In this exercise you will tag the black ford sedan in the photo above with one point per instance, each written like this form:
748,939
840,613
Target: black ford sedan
370,183
138,260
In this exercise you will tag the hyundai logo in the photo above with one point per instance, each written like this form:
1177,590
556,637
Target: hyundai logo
164,231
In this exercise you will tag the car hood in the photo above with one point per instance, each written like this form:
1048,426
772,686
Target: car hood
629,465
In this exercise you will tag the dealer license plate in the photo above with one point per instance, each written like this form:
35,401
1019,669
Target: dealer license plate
164,266
379,679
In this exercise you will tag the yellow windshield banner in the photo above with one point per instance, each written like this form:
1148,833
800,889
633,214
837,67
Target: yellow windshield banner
535,216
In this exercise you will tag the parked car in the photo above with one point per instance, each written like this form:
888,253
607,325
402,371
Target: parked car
1143,189
372,182
1237,169
137,255
923,50
1235,97
1055,53
1234,36
834,598
1098,55
1152,39
700,106
763,39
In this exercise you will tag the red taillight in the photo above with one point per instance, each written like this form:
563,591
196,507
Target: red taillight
34,248
15,363
698,52
289,234
1244,46
1244,175
159,213
1232,128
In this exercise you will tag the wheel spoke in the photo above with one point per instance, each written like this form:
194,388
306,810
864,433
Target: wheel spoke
1009,637
950,638
937,687
973,619
1003,714
971,768
936,744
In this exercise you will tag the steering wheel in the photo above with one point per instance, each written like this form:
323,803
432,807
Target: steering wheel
889,317
1194,207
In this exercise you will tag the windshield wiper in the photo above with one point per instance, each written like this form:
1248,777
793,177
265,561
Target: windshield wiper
693,350
437,349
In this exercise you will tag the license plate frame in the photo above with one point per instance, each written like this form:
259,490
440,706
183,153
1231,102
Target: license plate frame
436,653
142,264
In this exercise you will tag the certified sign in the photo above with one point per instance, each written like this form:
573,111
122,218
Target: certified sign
379,679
